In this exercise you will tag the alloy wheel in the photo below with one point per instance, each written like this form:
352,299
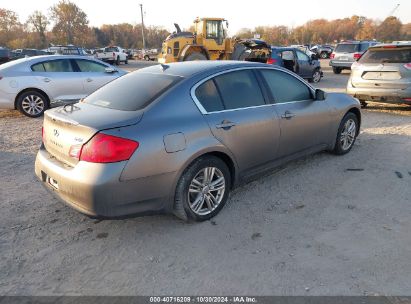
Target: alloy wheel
206,190
348,134
32,104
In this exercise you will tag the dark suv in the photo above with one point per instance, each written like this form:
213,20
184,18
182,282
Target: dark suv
296,61
5,55
346,53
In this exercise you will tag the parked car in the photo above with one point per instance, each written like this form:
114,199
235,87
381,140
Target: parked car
296,61
305,49
322,51
21,53
177,138
348,52
382,74
32,84
112,54
5,55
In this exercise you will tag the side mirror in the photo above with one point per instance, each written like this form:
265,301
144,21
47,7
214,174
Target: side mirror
320,94
110,70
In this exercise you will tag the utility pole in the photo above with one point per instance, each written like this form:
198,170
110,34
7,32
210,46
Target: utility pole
142,27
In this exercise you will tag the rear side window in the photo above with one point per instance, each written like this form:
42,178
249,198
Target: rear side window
286,88
364,47
61,65
347,48
132,92
209,97
239,89
395,55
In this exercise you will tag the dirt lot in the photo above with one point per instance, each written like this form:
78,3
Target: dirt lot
324,225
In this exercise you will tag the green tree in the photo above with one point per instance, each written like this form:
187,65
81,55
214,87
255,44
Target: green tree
70,22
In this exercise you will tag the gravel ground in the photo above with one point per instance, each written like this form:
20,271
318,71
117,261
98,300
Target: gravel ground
323,225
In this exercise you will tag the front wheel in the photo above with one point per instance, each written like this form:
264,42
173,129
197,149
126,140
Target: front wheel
203,189
347,134
32,104
195,56
316,76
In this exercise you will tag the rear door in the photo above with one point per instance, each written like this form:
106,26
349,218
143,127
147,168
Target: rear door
305,123
93,74
235,109
59,79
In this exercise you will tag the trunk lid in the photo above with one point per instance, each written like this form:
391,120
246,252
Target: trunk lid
74,125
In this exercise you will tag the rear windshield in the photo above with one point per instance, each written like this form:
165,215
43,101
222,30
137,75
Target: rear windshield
132,92
347,48
397,55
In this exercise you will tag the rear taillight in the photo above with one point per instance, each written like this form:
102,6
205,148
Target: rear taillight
104,148
271,61
43,135
407,99
357,55
407,66
332,56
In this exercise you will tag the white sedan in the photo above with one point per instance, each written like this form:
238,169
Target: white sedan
33,84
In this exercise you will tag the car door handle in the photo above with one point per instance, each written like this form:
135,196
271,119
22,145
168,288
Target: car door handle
287,115
46,79
225,124
89,80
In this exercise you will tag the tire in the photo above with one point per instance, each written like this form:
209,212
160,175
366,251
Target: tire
32,103
195,56
126,62
337,70
193,198
118,60
316,76
344,144
147,58
324,55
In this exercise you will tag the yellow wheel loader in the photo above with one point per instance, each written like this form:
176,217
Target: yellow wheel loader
210,42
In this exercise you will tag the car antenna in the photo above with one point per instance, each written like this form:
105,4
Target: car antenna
164,66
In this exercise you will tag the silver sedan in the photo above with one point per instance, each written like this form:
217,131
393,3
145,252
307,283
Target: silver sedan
177,138
33,84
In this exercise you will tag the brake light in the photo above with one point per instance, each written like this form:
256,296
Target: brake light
271,61
357,55
43,135
407,66
104,148
332,56
389,47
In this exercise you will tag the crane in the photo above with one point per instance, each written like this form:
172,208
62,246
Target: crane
393,10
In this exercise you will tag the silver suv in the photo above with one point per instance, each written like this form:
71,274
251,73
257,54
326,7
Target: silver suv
348,52
382,74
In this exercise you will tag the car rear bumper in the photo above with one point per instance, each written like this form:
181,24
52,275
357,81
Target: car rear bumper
96,189
341,64
380,94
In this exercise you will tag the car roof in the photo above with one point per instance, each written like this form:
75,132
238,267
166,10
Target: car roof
392,45
191,68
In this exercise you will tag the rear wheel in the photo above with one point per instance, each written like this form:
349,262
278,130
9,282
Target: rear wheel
203,189
195,56
347,134
147,58
118,60
324,55
32,103
337,70
126,62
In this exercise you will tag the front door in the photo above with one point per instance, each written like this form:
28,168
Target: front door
304,65
304,121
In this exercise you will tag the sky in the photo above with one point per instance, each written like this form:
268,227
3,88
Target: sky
240,14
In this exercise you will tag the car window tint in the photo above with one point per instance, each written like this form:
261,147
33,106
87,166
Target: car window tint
394,55
302,56
239,89
364,47
347,48
90,66
209,97
60,65
39,67
285,87
132,92
287,55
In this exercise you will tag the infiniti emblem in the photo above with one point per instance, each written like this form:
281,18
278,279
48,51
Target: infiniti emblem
56,133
